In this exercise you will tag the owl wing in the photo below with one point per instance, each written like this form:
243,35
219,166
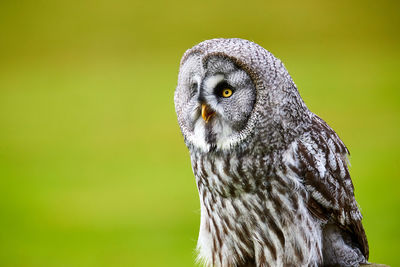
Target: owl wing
322,163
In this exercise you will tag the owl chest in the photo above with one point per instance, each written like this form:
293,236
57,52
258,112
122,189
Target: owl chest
224,177
245,218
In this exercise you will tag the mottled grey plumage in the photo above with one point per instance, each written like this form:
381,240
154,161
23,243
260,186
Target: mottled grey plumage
272,176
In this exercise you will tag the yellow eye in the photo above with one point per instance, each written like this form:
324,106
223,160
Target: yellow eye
226,92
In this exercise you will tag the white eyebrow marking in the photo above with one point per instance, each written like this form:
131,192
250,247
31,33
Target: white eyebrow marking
197,79
211,82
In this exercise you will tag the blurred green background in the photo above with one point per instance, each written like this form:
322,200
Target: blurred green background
93,168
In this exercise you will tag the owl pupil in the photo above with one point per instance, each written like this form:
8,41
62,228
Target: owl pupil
223,89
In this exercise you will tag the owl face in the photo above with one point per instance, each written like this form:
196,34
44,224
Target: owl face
218,98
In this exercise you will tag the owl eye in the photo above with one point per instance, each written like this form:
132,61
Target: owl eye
223,90
193,86
226,92
193,89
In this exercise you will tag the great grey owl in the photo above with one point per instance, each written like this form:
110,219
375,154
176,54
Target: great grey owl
272,176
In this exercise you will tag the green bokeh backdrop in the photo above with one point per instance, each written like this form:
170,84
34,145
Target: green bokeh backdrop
93,168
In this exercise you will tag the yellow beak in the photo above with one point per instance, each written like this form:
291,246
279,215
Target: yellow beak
206,112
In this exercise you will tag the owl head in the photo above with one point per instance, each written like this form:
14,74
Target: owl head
231,89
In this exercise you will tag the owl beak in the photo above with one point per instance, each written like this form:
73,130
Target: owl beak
206,112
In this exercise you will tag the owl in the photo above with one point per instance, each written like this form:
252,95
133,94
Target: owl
272,176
